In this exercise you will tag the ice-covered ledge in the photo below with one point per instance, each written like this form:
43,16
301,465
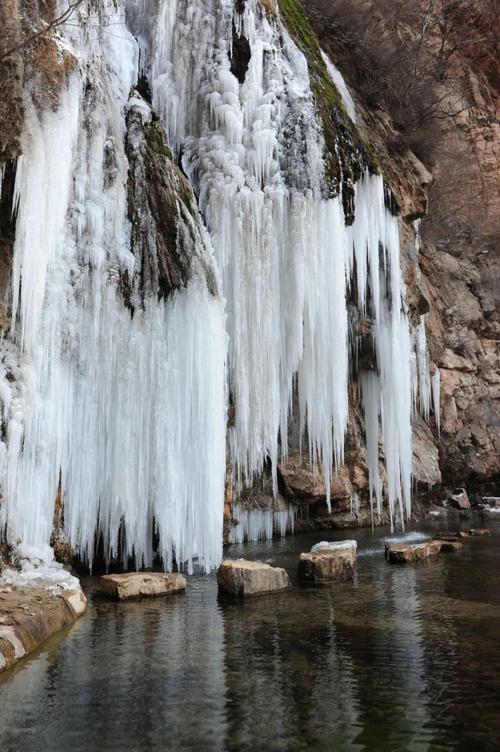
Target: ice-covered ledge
38,597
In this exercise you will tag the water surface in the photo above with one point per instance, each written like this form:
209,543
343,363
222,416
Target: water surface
403,658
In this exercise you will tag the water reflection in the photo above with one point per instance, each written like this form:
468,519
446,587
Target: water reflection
404,658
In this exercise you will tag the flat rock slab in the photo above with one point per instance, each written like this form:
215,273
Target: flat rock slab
398,553
335,561
28,616
122,587
241,578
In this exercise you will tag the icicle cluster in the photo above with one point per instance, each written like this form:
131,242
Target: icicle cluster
425,375
254,150
261,524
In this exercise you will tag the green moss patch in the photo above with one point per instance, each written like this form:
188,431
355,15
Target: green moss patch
347,155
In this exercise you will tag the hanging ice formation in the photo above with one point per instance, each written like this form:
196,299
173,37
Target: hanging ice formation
338,80
118,394
260,524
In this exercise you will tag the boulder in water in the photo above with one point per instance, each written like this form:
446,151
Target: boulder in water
335,546
141,584
327,562
241,578
398,553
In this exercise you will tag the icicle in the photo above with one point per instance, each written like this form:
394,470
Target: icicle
338,80
370,392
422,360
436,398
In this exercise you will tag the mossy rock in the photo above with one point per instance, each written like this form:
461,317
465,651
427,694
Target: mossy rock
347,154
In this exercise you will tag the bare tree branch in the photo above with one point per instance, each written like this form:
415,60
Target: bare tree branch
51,25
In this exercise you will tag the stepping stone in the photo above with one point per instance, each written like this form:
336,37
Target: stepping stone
241,578
398,553
122,587
327,562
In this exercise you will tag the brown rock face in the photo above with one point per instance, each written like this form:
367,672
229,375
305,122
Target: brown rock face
28,616
450,179
11,80
141,584
399,553
327,564
242,578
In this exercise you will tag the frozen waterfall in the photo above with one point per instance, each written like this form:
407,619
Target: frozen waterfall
122,405
254,150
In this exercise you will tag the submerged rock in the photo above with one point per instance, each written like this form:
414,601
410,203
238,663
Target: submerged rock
397,553
141,584
242,578
328,561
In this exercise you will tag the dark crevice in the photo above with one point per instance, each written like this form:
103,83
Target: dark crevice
7,209
241,56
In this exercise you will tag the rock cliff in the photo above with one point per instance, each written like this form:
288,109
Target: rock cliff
454,278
